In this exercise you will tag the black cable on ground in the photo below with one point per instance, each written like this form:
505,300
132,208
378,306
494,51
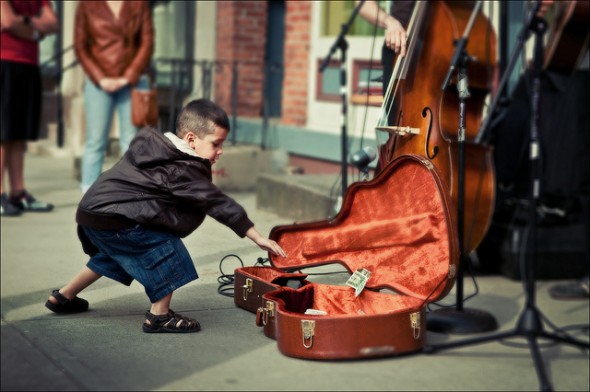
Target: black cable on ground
226,281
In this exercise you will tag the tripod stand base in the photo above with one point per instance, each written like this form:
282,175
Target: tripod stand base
460,321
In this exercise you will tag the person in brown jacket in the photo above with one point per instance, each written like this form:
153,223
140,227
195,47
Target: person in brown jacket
114,42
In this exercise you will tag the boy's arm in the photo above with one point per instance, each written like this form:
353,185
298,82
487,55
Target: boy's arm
265,243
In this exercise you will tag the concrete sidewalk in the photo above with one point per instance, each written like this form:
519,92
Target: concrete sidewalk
105,349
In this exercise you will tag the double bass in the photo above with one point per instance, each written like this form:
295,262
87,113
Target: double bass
568,36
427,118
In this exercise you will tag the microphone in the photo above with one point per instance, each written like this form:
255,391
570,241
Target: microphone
361,160
363,157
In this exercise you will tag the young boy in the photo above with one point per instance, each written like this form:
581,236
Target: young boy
132,219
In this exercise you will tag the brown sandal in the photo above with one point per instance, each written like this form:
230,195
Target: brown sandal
170,323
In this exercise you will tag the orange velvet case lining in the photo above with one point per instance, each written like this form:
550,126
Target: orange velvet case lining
400,226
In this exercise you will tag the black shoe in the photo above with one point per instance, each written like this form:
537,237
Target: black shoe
7,208
26,202
574,290
65,305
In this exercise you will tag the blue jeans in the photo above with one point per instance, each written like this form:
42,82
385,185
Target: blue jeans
100,106
159,261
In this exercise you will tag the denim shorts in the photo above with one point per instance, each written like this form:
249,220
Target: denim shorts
157,260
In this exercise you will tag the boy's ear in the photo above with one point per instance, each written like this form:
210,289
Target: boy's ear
189,137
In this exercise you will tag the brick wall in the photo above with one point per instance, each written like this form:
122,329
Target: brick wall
296,75
241,37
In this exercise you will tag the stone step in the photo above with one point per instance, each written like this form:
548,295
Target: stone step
303,198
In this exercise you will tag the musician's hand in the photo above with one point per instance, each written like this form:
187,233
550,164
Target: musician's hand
395,36
544,7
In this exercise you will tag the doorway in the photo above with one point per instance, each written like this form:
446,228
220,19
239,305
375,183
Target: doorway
273,78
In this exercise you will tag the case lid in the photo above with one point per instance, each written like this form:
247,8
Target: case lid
400,226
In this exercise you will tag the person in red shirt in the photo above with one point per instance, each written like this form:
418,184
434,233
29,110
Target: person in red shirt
23,24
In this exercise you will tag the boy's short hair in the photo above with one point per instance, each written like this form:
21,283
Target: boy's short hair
201,117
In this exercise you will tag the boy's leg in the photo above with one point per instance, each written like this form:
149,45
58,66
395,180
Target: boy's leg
158,261
78,283
162,306
161,319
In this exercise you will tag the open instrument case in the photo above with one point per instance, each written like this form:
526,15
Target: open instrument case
399,230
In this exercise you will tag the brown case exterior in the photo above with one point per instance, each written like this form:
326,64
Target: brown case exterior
250,283
401,227
398,327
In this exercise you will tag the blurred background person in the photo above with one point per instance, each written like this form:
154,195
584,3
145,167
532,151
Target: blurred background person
114,42
564,174
394,21
23,24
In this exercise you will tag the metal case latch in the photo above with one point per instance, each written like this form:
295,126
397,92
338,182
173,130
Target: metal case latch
415,324
308,327
247,288
268,311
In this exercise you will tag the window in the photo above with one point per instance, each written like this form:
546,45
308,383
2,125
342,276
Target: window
172,60
336,13
328,83
367,87
173,51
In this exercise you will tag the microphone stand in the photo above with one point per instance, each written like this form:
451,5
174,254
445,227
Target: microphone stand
342,44
460,319
530,322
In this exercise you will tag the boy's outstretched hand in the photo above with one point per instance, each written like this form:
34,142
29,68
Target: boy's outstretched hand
265,243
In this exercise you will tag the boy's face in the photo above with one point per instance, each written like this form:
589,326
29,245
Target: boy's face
210,146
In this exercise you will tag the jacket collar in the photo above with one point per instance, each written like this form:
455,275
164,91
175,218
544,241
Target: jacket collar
180,144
